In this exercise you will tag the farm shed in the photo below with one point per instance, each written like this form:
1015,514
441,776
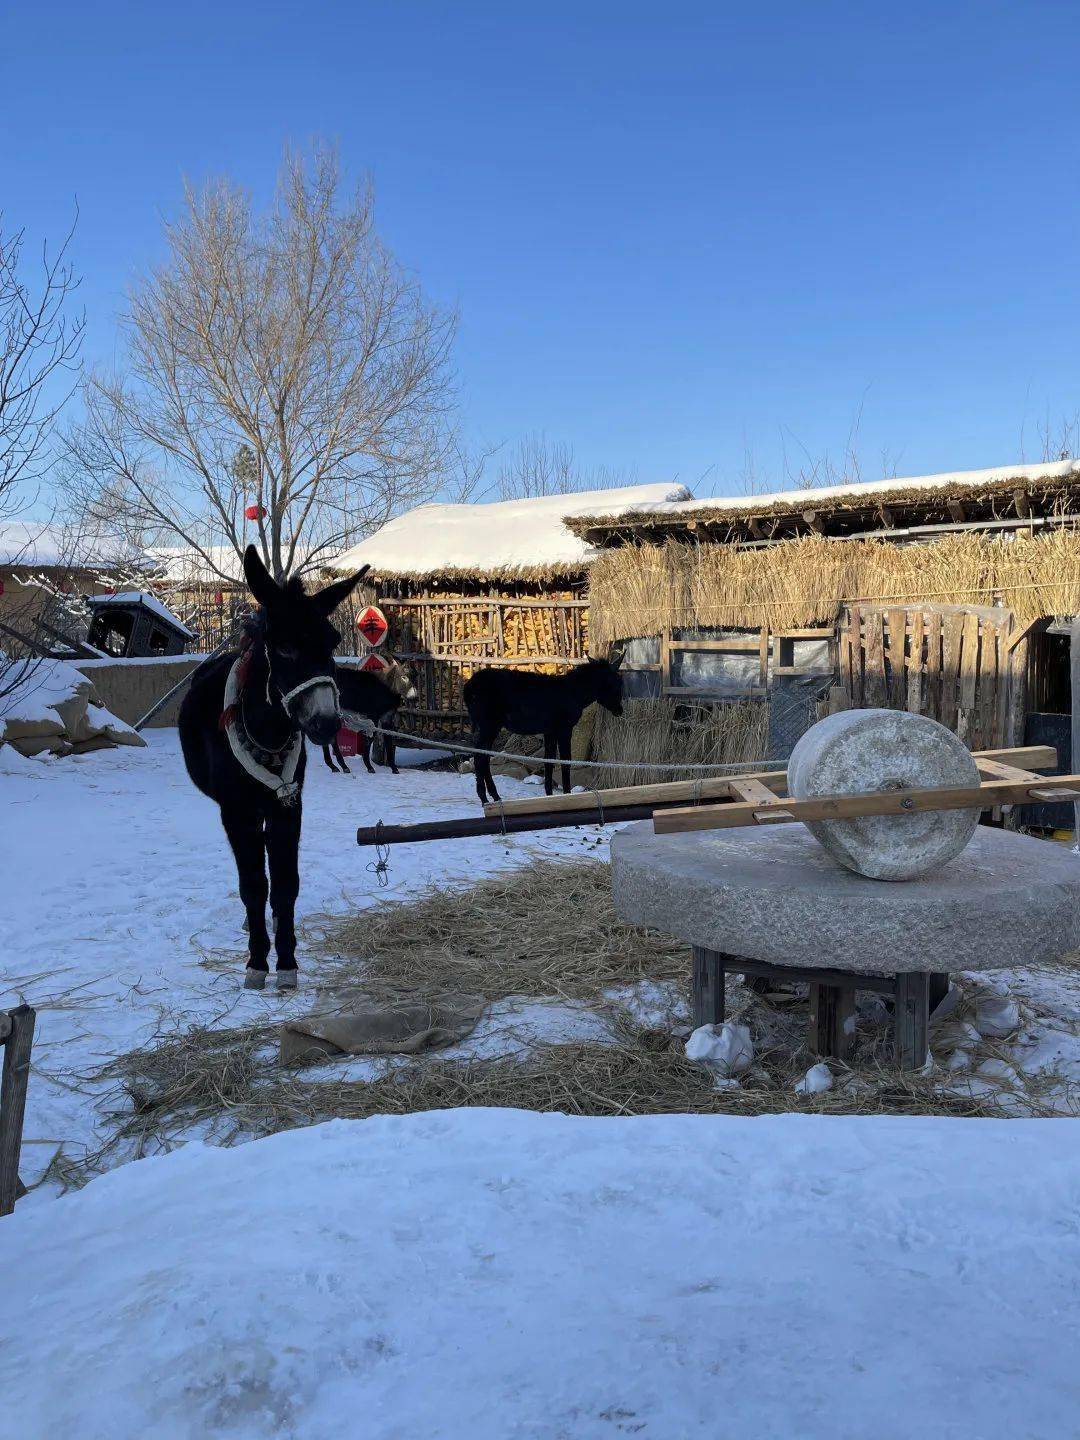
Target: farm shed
501,583
943,594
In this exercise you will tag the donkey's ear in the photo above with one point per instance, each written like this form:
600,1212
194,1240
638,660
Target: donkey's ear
258,578
331,596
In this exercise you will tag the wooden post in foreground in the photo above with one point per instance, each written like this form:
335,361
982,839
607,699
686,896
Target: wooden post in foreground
18,1038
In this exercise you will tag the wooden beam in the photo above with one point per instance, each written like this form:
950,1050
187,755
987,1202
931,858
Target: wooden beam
707,995
911,1018
885,802
734,643
755,793
995,770
714,788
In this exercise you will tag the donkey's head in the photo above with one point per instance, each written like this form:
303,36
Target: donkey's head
300,644
402,680
606,683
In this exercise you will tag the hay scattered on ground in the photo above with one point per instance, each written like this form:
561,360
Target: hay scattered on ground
546,932
654,736
643,589
549,930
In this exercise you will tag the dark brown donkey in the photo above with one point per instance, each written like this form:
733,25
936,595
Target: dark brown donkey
242,729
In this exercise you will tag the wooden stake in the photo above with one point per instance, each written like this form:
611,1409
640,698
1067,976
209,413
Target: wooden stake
16,1072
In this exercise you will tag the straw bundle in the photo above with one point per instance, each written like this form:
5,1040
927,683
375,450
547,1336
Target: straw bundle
641,590
649,738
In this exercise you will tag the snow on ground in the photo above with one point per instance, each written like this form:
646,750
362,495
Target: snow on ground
489,1274
121,921
119,899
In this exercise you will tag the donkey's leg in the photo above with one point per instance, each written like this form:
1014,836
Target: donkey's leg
341,759
390,754
365,753
283,846
564,756
328,758
551,745
484,738
244,830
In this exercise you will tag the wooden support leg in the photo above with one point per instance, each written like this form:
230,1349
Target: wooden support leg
911,1018
832,1020
939,988
16,1071
707,1003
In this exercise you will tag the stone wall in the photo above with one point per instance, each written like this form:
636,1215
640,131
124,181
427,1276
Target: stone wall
130,687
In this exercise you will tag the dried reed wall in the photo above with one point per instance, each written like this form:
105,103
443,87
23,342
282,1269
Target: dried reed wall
644,589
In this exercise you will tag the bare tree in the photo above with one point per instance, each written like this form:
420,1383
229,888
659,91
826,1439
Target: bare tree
40,342
287,383
537,466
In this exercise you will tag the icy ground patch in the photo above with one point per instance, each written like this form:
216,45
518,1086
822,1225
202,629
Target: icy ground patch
487,1274
120,911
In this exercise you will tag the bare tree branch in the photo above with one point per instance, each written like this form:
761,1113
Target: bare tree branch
40,342
292,337
538,467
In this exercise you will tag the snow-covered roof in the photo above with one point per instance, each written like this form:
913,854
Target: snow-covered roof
144,597
34,543
184,565
827,498
503,537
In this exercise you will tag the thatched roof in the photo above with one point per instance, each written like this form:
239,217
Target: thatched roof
525,540
644,589
1009,494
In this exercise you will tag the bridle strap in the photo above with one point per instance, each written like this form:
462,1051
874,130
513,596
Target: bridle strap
288,698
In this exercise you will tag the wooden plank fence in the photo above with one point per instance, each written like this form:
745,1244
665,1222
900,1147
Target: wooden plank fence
953,663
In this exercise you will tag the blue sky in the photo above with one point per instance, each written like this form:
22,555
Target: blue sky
676,233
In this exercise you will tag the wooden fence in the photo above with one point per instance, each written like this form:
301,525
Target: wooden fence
445,639
959,664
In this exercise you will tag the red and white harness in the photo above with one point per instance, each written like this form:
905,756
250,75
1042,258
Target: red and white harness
276,769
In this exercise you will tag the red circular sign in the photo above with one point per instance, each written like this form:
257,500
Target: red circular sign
376,664
372,625
254,512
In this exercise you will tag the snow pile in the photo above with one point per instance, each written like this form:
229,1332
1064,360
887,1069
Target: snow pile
816,1081
498,537
50,706
495,1273
728,1048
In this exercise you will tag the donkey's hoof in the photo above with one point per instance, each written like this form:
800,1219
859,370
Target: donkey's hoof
254,979
285,979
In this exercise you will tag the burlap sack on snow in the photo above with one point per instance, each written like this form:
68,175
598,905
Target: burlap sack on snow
403,1029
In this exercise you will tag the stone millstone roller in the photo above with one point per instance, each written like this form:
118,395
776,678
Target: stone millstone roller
860,751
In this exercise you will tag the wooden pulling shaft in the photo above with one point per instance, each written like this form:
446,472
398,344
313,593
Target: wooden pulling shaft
757,802
487,825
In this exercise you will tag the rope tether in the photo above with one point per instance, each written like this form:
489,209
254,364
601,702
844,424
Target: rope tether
672,768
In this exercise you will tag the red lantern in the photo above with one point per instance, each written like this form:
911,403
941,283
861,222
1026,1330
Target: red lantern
254,512
219,598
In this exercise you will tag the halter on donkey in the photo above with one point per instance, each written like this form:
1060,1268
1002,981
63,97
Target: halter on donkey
242,728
